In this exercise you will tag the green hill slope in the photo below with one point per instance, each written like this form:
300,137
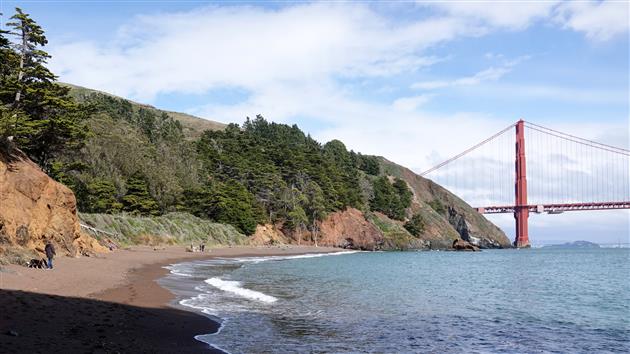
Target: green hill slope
148,162
192,126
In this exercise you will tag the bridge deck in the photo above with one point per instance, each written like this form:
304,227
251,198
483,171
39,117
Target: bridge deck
556,208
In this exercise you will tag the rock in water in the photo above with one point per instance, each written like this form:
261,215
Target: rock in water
34,207
461,245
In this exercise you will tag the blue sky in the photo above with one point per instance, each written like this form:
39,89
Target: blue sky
415,82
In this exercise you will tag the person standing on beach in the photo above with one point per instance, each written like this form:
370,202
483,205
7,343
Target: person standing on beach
50,253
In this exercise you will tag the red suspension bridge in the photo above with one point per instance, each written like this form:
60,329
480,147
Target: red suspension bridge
565,172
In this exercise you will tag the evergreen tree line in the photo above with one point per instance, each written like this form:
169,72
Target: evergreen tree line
121,157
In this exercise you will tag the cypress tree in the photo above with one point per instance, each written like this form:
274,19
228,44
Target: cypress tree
43,119
416,225
138,200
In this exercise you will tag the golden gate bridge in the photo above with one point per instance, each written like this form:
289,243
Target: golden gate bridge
565,173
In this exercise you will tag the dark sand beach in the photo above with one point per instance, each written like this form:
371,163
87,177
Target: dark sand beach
107,304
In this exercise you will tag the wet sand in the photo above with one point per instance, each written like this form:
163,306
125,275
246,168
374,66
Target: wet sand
107,304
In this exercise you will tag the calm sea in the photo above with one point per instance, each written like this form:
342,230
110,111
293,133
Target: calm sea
525,301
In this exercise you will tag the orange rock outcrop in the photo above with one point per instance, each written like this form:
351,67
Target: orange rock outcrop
34,207
349,229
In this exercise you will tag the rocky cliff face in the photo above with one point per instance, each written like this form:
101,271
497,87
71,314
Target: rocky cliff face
448,221
350,229
267,235
34,208
448,217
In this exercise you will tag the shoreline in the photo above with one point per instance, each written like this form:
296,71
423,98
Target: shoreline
110,303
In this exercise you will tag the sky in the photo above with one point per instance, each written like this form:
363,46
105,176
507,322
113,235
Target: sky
413,81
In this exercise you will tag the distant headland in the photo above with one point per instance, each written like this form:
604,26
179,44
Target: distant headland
575,244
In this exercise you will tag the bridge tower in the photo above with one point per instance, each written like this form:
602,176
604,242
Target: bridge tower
521,210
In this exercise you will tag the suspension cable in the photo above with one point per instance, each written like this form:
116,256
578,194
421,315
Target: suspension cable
466,151
576,139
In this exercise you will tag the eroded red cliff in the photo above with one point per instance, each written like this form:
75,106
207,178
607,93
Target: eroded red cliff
34,208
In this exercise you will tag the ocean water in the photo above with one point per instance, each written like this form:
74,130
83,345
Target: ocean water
495,301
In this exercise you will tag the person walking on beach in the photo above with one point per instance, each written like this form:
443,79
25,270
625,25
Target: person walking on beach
202,247
50,253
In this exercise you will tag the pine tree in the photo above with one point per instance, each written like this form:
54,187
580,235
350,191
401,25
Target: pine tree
102,197
38,112
315,208
30,37
7,58
8,62
416,225
404,193
392,200
138,200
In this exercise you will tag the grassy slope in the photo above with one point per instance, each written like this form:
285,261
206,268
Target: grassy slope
172,228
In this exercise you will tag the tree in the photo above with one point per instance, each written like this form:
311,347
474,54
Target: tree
297,220
138,200
236,206
30,37
38,112
102,197
315,208
403,191
438,206
366,163
8,63
226,202
8,59
416,225
392,200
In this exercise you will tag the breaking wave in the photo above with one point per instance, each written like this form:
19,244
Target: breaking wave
236,288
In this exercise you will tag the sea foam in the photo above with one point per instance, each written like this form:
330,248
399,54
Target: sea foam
281,258
236,288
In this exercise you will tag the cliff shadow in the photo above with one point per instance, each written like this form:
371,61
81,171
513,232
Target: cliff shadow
40,323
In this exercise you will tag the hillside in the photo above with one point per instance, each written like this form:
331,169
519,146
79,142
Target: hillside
269,174
449,215
192,126
154,176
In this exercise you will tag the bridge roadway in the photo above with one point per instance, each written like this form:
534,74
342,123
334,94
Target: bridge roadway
555,208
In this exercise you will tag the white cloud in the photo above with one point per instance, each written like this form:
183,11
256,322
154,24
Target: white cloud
251,47
554,93
506,14
600,21
412,103
490,74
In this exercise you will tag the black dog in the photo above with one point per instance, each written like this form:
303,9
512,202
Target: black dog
37,263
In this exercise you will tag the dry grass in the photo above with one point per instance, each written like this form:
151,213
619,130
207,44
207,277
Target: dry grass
17,255
169,229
